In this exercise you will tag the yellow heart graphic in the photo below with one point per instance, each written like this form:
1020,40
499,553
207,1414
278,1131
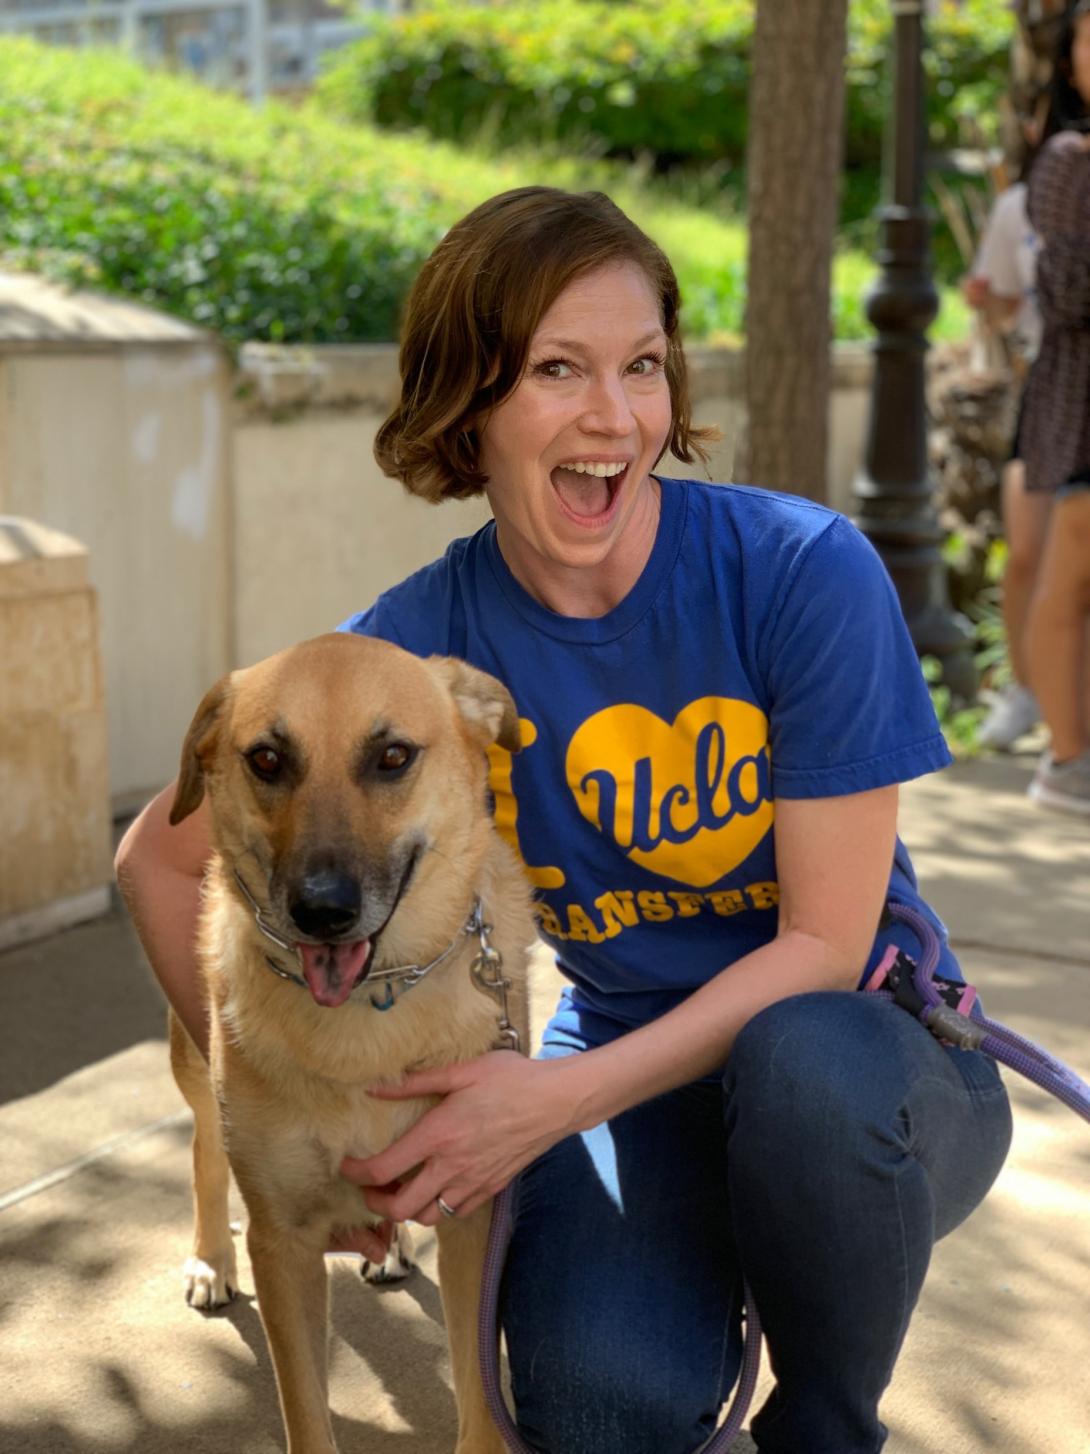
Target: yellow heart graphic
690,799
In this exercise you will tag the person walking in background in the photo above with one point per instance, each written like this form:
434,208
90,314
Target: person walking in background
1002,287
1056,439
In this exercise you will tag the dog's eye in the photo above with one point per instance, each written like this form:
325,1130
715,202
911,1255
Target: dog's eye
396,757
266,763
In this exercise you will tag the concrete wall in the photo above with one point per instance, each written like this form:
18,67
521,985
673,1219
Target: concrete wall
114,427
230,511
54,820
319,532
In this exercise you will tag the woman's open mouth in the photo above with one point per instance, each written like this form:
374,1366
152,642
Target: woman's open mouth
588,490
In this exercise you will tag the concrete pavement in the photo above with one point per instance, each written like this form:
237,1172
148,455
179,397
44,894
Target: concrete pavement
99,1355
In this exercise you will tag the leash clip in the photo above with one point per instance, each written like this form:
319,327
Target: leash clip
952,1025
949,1020
488,976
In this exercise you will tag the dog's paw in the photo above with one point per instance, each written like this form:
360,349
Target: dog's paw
210,1284
399,1260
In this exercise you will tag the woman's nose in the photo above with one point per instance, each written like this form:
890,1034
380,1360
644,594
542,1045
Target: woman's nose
607,409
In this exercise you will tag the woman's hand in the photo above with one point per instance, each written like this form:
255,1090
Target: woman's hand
497,1114
976,291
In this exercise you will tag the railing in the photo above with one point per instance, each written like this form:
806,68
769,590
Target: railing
231,43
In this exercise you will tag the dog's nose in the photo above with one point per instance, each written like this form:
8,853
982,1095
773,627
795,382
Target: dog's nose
326,904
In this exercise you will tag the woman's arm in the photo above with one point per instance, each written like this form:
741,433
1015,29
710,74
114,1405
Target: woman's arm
833,861
159,871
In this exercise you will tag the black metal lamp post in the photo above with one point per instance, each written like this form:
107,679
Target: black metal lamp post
894,490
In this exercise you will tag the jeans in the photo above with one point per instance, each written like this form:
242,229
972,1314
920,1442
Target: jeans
842,1142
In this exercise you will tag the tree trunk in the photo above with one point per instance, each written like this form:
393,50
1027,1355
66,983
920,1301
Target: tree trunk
796,111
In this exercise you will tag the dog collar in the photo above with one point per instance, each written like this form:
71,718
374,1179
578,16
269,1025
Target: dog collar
401,977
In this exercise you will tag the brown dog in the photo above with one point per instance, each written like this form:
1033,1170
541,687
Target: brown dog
347,784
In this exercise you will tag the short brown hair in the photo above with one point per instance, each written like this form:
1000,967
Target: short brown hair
472,314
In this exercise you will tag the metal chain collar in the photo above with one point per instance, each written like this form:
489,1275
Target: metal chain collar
486,969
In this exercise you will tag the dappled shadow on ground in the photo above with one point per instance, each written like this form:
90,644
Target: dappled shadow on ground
1000,1341
103,1357
225,1402
1000,1321
999,1349
245,1429
72,1000
999,869
108,1360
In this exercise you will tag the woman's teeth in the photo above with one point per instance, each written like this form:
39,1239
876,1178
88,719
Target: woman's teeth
588,488
603,471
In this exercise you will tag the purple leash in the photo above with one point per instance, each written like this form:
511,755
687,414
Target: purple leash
978,1032
946,1018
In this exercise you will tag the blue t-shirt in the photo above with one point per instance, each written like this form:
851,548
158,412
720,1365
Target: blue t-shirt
762,654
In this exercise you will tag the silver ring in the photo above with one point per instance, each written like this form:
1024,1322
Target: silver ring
445,1207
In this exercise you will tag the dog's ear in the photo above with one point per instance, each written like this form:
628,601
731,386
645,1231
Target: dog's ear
199,741
486,706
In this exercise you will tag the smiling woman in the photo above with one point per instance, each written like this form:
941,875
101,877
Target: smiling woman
575,442
480,303
716,698
542,336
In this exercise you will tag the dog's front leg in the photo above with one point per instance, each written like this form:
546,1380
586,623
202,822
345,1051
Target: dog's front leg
293,1298
462,1243
211,1276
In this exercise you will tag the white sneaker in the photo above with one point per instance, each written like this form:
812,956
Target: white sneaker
1014,713
1063,785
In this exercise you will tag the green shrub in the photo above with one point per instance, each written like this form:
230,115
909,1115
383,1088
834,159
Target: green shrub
669,77
287,224
256,225
562,71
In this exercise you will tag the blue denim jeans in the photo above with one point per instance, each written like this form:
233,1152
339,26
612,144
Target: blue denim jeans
843,1141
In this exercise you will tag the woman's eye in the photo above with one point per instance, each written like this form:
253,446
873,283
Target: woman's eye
552,368
396,757
650,363
266,762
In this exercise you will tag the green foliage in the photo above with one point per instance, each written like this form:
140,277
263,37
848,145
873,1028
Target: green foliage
991,658
966,65
667,77
961,722
259,226
288,224
663,77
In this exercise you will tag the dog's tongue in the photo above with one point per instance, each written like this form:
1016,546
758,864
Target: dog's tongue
331,970
583,494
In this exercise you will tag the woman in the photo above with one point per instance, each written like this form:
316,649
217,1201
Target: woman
719,699
1003,286
1057,443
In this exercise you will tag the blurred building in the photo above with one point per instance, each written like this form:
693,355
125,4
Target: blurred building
254,46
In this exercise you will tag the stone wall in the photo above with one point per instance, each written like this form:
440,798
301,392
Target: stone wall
115,428
54,798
